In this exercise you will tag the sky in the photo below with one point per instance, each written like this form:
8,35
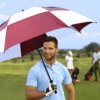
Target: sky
73,40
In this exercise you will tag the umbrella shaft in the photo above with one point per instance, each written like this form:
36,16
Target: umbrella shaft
42,60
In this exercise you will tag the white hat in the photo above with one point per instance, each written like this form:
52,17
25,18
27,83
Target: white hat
70,53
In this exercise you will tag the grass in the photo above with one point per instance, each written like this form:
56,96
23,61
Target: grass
13,78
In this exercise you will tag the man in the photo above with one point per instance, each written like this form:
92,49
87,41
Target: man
38,86
96,62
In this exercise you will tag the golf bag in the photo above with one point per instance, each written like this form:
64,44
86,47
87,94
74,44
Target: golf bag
89,74
75,74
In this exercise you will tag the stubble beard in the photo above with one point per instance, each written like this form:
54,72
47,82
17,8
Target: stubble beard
50,59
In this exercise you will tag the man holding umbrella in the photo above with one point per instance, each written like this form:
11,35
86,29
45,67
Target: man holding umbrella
38,86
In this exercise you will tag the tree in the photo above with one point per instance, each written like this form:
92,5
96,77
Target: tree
90,47
62,53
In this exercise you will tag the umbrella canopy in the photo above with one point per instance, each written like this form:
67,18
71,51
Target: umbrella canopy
21,28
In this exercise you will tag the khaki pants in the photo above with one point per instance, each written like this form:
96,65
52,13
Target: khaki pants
96,70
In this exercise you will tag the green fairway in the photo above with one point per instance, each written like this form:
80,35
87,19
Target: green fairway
13,78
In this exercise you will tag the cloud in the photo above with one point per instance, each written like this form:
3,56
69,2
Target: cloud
3,18
96,34
2,5
93,35
87,35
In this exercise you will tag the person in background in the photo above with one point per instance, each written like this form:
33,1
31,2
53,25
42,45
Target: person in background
38,86
96,63
69,61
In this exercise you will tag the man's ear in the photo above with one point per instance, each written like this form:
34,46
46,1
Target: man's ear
57,49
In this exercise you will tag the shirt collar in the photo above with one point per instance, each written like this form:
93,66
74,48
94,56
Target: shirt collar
49,65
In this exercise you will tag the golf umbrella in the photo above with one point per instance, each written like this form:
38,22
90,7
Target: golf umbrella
25,31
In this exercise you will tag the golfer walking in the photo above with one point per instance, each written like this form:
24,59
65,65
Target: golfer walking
38,86
96,63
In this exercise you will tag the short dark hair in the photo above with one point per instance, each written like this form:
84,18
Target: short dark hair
51,39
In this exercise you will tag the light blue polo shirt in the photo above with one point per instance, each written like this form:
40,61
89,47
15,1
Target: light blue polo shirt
37,77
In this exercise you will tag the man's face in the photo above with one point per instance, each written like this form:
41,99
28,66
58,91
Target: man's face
49,50
96,49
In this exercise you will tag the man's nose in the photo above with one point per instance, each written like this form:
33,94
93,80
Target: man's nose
47,50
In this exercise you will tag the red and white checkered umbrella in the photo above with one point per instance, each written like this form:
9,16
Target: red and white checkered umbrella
21,28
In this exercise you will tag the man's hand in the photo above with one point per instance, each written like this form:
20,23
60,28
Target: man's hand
52,88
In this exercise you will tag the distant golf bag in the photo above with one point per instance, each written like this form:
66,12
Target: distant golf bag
89,74
75,74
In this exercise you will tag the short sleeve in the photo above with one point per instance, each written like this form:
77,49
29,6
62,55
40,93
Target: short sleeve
32,78
66,58
93,54
67,77
99,55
